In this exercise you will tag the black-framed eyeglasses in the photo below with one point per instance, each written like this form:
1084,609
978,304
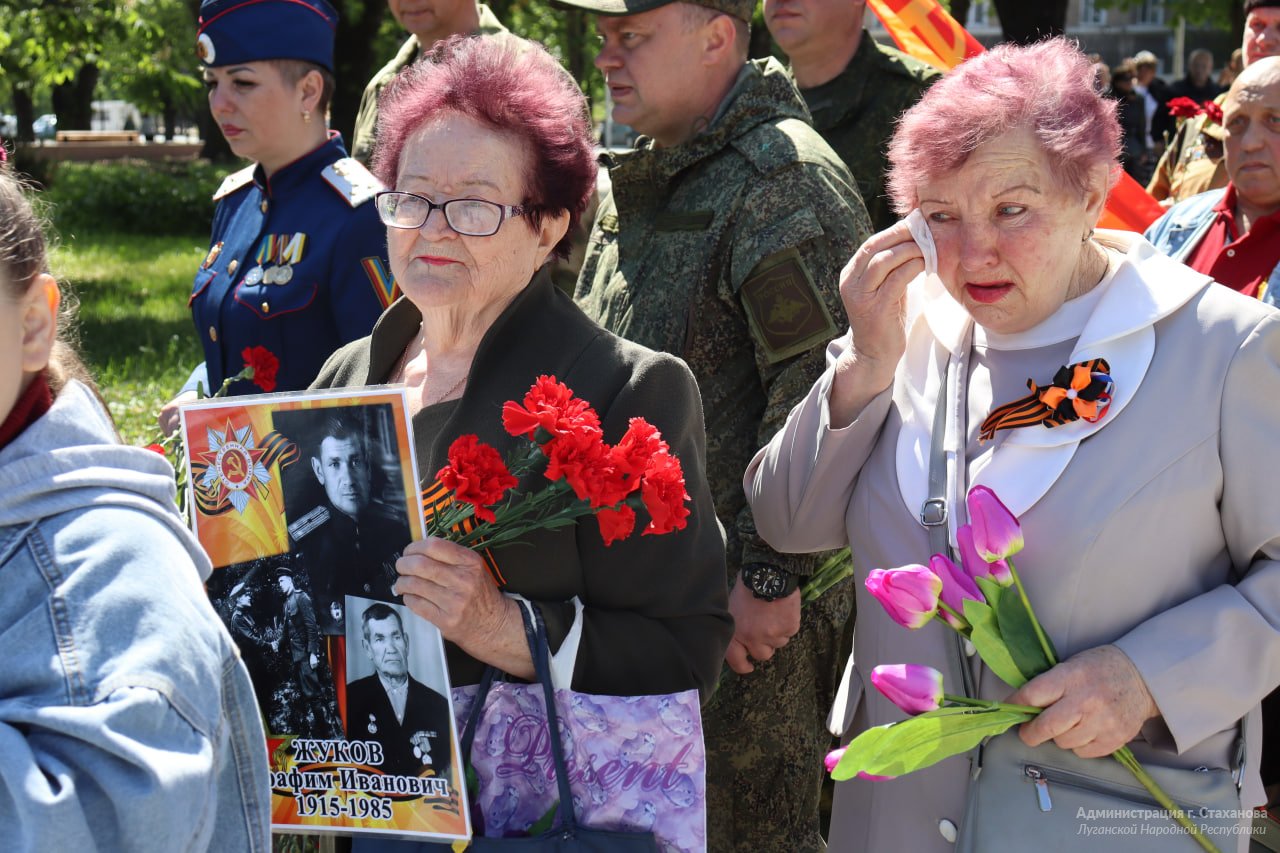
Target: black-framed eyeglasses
473,217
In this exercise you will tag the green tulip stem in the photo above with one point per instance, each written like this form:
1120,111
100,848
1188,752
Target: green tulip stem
1035,622
985,703
965,622
1125,756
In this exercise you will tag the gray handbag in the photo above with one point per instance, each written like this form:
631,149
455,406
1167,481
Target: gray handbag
1047,799
1023,797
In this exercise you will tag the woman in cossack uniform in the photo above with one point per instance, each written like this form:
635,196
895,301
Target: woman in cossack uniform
297,260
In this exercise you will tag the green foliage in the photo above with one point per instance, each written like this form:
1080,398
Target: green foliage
135,329
1205,13
1018,630
991,646
154,198
901,748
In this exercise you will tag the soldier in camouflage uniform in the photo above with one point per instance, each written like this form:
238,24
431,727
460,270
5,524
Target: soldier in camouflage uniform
722,242
444,19
854,87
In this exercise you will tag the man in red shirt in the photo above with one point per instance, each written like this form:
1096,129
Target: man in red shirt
1233,234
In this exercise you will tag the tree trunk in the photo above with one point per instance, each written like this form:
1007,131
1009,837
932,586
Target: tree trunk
354,62
24,109
575,32
73,100
1024,23
169,115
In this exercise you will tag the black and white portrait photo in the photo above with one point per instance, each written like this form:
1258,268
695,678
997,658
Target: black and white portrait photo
397,687
344,504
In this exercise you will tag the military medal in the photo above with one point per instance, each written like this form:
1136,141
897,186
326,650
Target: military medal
290,253
373,725
267,251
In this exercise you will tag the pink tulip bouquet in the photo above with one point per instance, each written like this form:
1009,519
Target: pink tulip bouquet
984,601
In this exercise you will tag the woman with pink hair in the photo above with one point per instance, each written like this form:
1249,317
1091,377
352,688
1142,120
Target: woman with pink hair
1150,544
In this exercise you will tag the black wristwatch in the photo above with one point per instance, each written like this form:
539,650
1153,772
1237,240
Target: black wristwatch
768,582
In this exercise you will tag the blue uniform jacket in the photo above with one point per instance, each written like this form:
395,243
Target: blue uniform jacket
314,218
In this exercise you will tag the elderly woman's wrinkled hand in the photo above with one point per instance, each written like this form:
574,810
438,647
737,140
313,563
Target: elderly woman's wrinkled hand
873,287
1095,703
449,586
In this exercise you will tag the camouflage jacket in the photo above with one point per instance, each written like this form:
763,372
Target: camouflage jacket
856,111
726,250
367,117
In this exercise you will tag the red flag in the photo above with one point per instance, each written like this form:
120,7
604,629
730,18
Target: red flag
926,31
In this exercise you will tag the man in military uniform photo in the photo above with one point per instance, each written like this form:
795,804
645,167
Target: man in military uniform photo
722,242
301,636
427,23
350,542
391,707
855,88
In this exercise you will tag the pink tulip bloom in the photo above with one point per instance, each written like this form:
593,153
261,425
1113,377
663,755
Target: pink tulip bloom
912,687
833,758
996,532
974,565
956,587
909,594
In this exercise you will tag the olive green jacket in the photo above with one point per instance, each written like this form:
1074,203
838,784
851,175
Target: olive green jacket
726,250
367,118
655,615
857,110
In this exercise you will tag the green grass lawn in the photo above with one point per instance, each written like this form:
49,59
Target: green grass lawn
135,328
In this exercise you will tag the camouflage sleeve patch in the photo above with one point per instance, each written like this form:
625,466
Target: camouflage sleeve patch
352,180
784,309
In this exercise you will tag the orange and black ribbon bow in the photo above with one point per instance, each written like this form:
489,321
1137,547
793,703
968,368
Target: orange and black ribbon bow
1081,390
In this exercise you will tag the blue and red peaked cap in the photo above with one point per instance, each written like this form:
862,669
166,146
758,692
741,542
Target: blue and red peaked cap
234,31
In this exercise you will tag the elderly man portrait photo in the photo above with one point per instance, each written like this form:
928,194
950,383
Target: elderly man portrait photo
409,719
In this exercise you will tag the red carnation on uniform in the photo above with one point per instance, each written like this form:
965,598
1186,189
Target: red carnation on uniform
476,475
616,524
264,365
664,495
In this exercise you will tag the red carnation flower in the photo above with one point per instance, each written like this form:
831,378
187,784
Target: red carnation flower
264,365
1183,108
616,524
664,495
549,405
1212,112
155,448
476,475
580,458
640,443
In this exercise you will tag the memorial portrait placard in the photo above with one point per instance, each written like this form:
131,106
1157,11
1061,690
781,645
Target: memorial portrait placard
304,502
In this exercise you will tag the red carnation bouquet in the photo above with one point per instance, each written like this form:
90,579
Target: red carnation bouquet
585,476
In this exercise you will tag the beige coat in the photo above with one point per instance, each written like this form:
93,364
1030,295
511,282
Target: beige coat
1156,529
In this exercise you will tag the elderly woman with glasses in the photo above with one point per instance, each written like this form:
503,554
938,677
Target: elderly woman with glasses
487,146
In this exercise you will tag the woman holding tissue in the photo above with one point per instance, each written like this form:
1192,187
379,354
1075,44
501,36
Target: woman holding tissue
1150,542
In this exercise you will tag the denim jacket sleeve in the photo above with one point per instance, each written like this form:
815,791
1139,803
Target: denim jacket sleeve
126,719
